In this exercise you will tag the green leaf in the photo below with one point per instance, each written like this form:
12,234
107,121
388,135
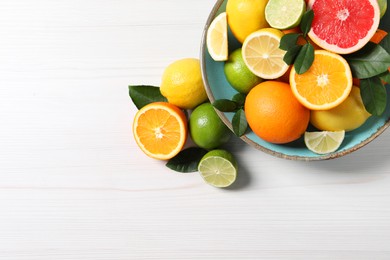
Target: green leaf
385,43
306,22
385,77
288,41
291,54
225,105
304,59
239,98
374,95
239,123
368,62
187,160
143,95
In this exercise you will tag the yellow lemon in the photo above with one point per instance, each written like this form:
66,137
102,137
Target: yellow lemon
349,115
182,84
245,17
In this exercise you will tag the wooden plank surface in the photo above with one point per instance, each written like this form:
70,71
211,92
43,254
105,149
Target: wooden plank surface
74,185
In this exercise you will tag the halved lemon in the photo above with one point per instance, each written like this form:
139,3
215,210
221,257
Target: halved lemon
262,55
217,38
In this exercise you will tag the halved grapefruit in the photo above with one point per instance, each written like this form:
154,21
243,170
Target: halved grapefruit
343,26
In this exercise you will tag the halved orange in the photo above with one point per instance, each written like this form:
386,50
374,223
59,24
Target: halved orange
326,84
160,130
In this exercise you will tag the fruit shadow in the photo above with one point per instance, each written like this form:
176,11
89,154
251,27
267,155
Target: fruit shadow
243,179
366,160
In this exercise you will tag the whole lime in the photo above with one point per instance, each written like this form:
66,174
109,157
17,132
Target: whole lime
382,6
206,128
182,83
238,74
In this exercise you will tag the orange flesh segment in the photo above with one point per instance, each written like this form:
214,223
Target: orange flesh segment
158,131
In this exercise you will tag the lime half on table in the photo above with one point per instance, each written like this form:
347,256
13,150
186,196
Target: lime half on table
218,168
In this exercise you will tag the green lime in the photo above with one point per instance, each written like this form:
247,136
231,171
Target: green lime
238,74
206,128
382,6
284,14
218,168
324,142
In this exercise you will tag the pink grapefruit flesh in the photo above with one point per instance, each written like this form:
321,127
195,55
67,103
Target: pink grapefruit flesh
343,26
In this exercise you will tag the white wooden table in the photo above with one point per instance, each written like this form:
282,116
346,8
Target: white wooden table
74,185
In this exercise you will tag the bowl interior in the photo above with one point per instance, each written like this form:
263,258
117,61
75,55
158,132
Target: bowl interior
218,87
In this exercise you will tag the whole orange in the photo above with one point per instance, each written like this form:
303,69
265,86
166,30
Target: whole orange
274,114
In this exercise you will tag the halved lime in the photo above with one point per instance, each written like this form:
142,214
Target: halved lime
324,142
284,14
218,168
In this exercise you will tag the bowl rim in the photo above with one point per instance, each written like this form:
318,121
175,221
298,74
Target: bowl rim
337,154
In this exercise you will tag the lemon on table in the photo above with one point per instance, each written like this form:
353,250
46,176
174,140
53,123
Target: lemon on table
324,142
284,14
217,38
245,17
218,168
238,74
182,83
206,128
262,54
349,115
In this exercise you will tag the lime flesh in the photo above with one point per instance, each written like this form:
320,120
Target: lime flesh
324,142
218,168
284,14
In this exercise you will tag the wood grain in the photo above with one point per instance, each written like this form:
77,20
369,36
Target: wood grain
74,185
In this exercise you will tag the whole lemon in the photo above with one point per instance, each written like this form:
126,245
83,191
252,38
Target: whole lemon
349,115
206,128
245,17
182,83
274,114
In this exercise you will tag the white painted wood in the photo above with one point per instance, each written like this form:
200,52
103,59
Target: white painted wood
74,185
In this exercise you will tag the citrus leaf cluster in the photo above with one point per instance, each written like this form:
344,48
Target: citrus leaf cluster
302,56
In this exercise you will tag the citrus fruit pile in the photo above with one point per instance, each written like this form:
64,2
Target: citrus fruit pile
162,127
297,66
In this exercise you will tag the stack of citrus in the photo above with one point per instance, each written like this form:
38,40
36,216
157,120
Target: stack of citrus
282,100
161,127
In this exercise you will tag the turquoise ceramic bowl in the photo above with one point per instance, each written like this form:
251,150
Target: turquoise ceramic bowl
217,87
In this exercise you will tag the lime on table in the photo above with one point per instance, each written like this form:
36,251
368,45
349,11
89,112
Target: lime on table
206,128
324,142
218,168
238,74
284,14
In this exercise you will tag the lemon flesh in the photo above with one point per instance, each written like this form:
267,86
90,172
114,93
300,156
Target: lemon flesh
217,38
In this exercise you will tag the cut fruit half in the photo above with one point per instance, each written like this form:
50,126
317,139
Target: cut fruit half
218,168
262,55
160,130
326,84
324,142
284,14
217,38
343,26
